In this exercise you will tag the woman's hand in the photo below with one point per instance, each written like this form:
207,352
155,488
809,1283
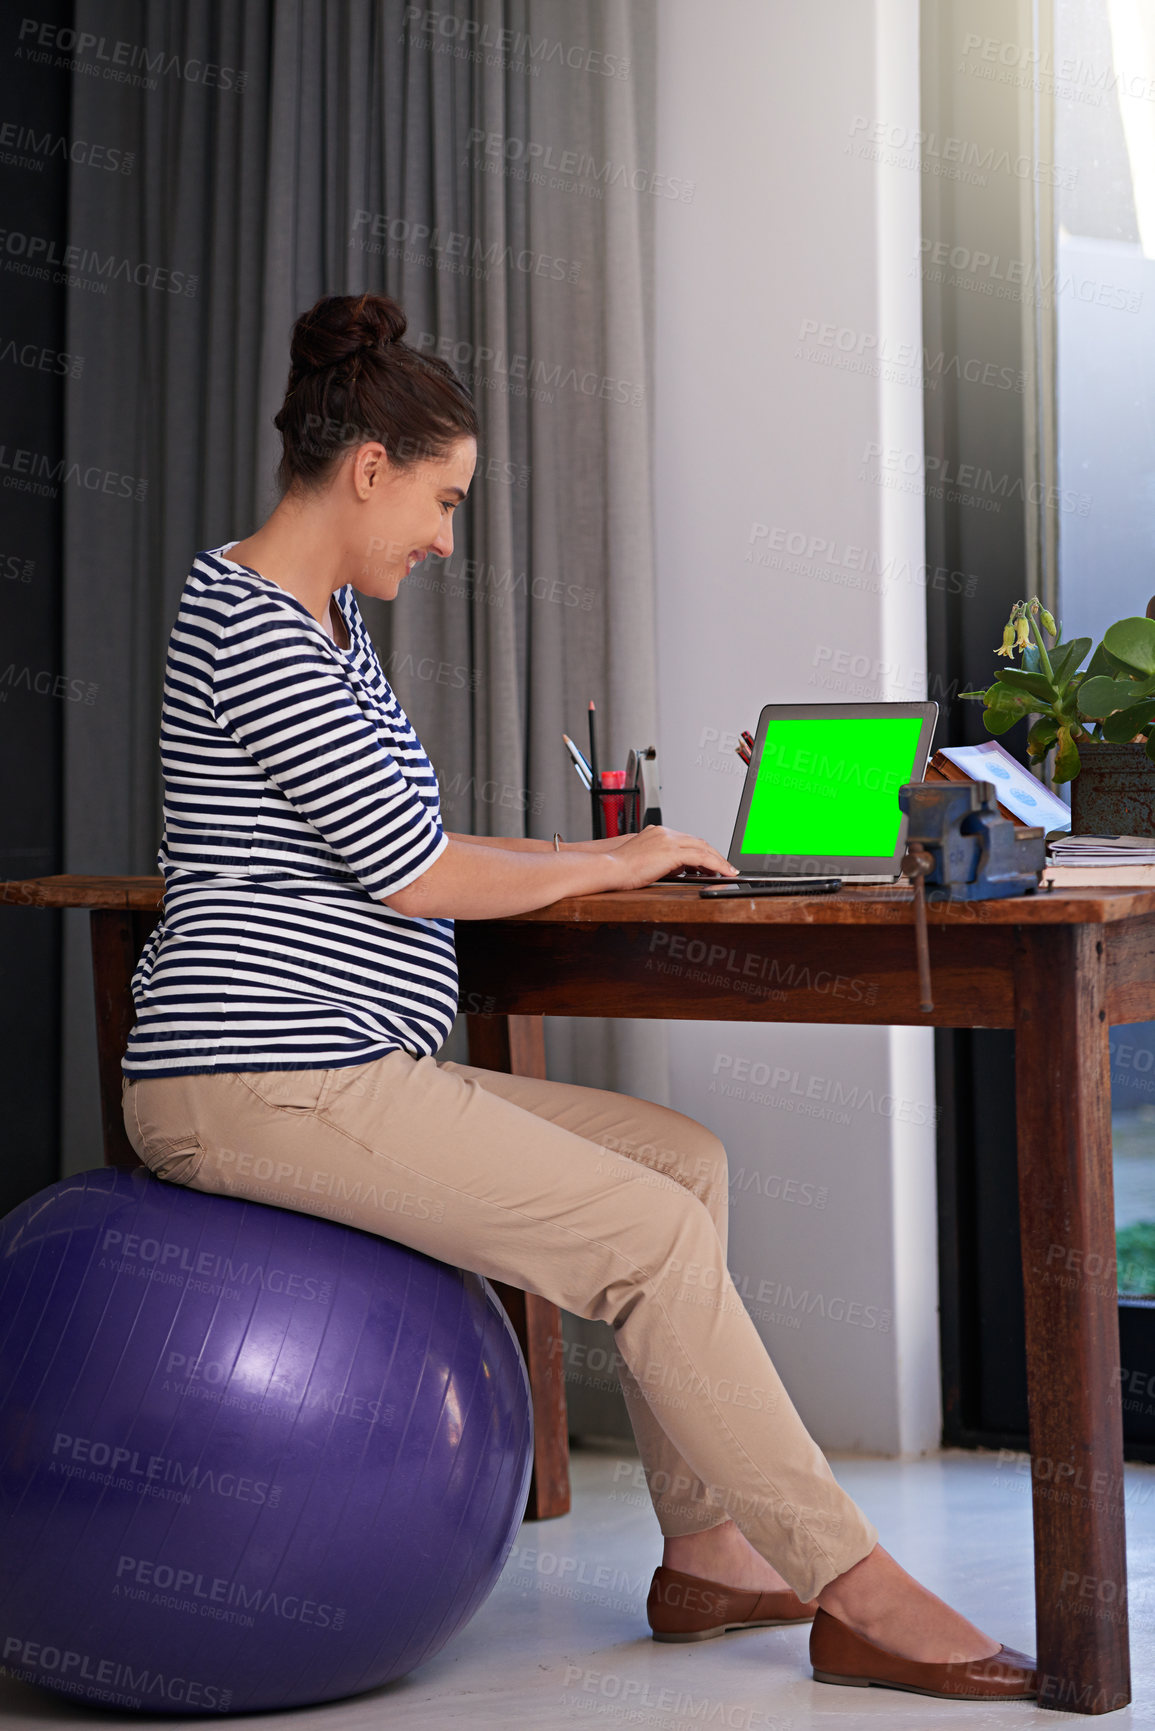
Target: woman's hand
469,881
606,844
656,850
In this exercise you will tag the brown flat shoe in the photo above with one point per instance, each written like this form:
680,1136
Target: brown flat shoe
687,1608
838,1655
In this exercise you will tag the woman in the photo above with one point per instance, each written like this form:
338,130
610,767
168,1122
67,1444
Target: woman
292,1000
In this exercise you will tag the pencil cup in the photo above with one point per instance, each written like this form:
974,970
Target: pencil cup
615,805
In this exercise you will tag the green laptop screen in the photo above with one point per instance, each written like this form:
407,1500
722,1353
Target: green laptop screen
830,786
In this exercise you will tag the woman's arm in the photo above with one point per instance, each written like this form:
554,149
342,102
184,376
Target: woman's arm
479,878
528,844
514,843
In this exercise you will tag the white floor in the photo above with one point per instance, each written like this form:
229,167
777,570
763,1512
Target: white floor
563,1640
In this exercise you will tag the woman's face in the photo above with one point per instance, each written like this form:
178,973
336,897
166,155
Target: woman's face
406,514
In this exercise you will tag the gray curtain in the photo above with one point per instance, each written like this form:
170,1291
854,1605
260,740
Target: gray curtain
495,174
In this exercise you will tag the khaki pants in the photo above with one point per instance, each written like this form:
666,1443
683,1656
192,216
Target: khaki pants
612,1207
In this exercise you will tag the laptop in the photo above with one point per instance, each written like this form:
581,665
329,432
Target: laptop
819,805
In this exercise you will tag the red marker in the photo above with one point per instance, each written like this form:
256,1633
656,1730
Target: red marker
615,809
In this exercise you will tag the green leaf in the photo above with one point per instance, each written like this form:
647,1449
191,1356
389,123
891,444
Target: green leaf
1065,658
1009,705
1124,724
1133,642
1104,662
1042,736
1020,680
1067,760
999,695
1001,720
1102,696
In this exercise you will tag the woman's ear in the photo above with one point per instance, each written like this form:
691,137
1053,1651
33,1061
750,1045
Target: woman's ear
368,468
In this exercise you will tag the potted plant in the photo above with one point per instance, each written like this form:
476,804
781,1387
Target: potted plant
1098,720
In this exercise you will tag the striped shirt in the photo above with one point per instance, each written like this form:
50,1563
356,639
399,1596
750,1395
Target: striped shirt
296,798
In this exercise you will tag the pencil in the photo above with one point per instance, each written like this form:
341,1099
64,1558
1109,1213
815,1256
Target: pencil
595,776
577,756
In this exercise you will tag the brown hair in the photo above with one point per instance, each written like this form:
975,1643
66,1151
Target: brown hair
352,379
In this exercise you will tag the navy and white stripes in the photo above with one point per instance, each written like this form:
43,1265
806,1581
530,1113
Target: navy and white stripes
297,796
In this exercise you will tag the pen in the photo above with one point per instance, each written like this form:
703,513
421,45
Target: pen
579,761
593,762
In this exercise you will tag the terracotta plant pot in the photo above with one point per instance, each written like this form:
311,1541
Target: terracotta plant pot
1114,791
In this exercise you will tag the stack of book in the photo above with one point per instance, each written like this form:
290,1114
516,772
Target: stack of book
1100,860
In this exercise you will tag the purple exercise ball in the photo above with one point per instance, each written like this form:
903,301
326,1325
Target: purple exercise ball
249,1459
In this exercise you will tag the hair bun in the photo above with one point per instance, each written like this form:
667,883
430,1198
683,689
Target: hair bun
355,381
340,326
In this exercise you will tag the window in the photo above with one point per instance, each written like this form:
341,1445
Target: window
1104,313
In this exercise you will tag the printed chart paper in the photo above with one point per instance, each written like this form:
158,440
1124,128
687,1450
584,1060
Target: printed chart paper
1015,786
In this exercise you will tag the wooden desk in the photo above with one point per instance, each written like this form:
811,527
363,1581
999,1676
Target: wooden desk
1058,968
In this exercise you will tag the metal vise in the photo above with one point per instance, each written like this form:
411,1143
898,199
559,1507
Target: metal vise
977,854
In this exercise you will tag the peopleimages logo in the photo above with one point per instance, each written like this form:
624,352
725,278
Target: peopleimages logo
39,251
118,61
16,567
46,684
953,158
39,472
215,1380
844,565
569,170
939,477
513,49
23,147
132,1248
1006,278
36,358
1071,77
134,1469
126,1684
455,250
522,375
828,1089
214,1590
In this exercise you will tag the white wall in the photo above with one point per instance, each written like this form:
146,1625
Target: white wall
767,105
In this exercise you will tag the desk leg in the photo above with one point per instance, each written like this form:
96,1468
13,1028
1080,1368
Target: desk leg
516,1044
117,939
1066,1203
